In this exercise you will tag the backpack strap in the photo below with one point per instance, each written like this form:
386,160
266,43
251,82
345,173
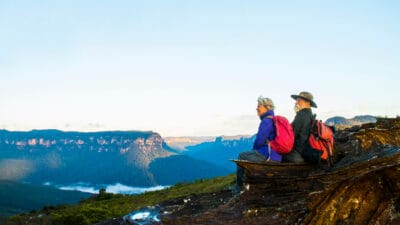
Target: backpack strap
267,143
269,151
313,119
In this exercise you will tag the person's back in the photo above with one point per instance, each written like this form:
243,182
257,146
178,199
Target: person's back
301,127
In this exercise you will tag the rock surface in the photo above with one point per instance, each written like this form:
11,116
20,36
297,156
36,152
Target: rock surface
362,188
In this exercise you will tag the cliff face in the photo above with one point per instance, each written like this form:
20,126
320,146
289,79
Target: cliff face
129,157
362,188
112,141
66,157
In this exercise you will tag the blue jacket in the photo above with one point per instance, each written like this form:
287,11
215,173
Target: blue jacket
266,130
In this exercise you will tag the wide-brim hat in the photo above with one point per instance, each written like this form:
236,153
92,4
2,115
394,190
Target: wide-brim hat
306,96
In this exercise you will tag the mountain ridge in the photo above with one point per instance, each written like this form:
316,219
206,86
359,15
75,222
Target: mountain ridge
41,156
355,121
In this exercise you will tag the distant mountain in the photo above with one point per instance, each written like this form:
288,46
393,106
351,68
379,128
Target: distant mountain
40,156
182,168
221,150
17,197
364,119
338,120
180,143
357,120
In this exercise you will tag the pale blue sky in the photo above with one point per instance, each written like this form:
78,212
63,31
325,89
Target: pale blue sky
193,67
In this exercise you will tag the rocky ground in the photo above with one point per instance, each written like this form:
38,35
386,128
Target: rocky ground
362,188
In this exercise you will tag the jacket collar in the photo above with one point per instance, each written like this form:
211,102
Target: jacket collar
305,109
268,113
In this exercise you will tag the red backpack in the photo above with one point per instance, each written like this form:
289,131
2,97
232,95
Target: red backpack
321,139
284,138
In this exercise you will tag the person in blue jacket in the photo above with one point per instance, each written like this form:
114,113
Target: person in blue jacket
266,131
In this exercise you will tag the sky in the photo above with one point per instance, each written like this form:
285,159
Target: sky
193,68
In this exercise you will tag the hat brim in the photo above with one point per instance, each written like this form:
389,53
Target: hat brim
313,104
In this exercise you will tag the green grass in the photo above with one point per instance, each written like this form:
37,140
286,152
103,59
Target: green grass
106,206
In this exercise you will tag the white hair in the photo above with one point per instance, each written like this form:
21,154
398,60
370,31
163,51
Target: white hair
266,102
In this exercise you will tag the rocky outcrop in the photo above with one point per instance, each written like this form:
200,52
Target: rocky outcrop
358,192
362,188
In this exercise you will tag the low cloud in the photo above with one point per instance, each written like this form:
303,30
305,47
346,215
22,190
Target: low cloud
112,188
79,188
15,169
123,189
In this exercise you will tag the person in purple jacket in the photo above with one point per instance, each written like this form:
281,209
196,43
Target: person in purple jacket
261,150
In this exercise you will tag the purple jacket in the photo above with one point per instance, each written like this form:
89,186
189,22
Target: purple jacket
266,130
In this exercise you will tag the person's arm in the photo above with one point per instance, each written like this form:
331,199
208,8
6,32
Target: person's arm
297,123
298,129
300,121
264,131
